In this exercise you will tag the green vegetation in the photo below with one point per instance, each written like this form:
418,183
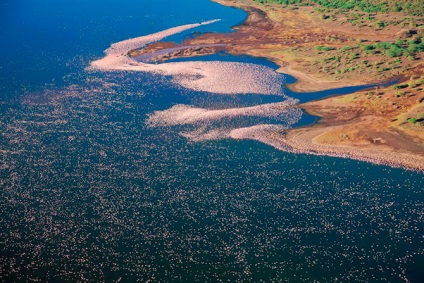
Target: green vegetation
400,48
383,59
283,2
338,58
410,7
412,84
323,48
399,93
396,86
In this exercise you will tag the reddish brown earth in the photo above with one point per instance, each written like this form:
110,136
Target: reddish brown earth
371,123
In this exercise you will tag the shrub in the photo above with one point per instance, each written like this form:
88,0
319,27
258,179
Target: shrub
391,53
322,48
412,84
381,24
383,45
368,47
416,40
399,42
353,55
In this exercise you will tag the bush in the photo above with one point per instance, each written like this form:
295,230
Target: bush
399,42
396,86
412,84
391,53
383,45
416,40
368,47
353,55
381,24
322,48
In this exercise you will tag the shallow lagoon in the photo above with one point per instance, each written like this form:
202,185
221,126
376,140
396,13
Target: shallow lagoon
89,193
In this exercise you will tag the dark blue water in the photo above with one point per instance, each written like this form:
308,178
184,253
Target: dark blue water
43,41
89,193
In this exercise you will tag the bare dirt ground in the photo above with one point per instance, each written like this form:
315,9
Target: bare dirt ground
385,124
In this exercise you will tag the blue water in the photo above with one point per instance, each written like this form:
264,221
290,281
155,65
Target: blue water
44,40
89,193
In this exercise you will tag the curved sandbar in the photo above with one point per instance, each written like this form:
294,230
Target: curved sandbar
149,55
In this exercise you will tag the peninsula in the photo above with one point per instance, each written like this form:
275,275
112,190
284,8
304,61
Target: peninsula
326,46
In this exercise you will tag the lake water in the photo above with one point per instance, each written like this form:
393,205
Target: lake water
89,192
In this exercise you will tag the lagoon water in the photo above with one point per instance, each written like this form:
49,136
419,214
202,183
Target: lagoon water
90,192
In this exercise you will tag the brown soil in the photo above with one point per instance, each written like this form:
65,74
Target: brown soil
372,122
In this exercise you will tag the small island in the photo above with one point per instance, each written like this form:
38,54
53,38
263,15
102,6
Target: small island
329,45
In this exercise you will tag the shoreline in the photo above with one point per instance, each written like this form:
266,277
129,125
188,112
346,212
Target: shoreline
367,125
345,129
264,45
307,83
303,140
